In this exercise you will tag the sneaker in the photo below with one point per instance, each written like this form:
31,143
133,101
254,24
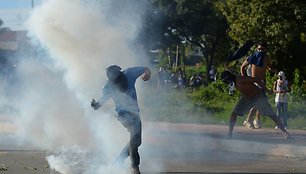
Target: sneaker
276,127
135,170
257,124
247,125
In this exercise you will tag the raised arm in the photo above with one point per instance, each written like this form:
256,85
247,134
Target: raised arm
274,88
243,67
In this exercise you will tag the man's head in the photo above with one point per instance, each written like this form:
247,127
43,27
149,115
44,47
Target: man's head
281,75
261,46
116,77
113,72
227,77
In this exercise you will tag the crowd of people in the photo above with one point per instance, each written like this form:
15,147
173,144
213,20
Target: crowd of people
178,79
166,78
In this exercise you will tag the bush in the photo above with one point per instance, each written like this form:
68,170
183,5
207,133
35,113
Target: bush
212,97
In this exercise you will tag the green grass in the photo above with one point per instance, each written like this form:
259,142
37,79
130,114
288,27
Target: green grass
208,105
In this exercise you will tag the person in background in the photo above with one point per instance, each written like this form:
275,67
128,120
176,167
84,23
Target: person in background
212,74
196,80
255,66
281,89
252,94
121,88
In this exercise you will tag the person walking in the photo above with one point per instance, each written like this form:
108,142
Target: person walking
252,95
281,89
121,88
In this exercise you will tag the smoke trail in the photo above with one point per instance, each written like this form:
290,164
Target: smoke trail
52,95
82,41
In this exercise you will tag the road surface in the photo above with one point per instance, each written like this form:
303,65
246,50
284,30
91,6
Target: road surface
186,148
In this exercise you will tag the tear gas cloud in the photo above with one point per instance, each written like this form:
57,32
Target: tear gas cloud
79,35
52,91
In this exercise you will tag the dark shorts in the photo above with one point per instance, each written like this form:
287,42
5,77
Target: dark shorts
259,101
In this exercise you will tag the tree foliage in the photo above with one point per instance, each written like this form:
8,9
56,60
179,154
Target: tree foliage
194,21
280,23
214,26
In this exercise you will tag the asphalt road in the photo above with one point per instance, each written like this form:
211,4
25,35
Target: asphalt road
186,149
213,161
172,151
206,161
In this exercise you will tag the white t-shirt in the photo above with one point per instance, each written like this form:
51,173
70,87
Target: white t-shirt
281,85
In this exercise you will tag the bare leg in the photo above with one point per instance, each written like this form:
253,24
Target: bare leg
251,115
257,122
249,121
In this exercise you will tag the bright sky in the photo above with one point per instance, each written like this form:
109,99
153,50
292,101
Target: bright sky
14,13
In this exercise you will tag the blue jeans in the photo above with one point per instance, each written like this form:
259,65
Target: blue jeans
132,123
281,111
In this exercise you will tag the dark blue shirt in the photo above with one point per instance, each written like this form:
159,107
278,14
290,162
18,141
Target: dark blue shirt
257,58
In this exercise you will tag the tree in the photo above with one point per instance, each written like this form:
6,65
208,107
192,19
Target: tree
281,23
194,21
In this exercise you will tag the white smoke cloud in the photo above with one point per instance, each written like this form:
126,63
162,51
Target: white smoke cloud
51,98
81,41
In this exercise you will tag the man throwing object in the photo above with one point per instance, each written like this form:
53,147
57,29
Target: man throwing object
252,94
121,88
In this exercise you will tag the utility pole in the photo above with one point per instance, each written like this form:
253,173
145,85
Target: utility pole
177,56
32,3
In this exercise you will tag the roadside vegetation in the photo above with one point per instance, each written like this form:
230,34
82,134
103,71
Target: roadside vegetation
212,104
